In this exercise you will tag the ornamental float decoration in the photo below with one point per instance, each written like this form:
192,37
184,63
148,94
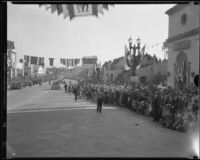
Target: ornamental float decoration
133,60
76,10
179,72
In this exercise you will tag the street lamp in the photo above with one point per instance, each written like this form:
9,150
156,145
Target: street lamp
134,47
134,59
98,71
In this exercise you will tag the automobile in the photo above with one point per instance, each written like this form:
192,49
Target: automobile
56,85
16,85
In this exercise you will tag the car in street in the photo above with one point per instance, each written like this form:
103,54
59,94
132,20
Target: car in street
16,85
56,85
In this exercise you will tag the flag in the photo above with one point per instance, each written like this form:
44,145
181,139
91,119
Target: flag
126,57
65,10
71,11
76,61
27,60
105,6
41,61
59,8
70,63
95,10
142,50
34,60
82,9
20,60
47,6
51,61
77,10
64,61
53,8
100,8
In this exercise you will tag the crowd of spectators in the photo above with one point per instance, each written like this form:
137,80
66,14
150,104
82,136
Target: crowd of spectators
19,83
172,108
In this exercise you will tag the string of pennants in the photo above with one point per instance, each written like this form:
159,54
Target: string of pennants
76,10
39,61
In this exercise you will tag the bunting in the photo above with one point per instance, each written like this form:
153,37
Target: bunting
142,52
59,8
41,61
53,8
127,67
70,63
34,60
51,61
77,61
27,60
100,8
105,6
65,10
47,6
77,10
63,61
83,10
71,11
95,10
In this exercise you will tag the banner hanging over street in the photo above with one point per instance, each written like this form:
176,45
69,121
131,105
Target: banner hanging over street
77,10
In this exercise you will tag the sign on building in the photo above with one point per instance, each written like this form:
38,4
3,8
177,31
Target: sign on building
181,45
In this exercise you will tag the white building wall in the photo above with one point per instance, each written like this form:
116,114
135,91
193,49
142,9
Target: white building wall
175,25
192,55
176,28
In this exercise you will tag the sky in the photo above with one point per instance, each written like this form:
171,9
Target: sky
37,32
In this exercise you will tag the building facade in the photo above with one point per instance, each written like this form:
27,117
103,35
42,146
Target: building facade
183,45
11,61
89,63
147,73
111,70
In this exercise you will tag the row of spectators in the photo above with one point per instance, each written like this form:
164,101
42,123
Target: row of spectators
174,109
23,83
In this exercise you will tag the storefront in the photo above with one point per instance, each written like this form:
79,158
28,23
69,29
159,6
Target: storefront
183,45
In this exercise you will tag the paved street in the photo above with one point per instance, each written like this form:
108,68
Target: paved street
44,122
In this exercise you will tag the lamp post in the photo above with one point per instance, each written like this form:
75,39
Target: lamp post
133,60
98,71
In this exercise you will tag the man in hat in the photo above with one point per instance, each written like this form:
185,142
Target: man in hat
99,100
75,90
65,86
155,106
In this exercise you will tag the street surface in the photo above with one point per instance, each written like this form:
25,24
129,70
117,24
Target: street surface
49,123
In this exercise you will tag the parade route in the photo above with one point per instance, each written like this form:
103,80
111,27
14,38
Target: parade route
49,123
139,82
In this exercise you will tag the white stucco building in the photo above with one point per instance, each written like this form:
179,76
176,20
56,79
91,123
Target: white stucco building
112,69
183,44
